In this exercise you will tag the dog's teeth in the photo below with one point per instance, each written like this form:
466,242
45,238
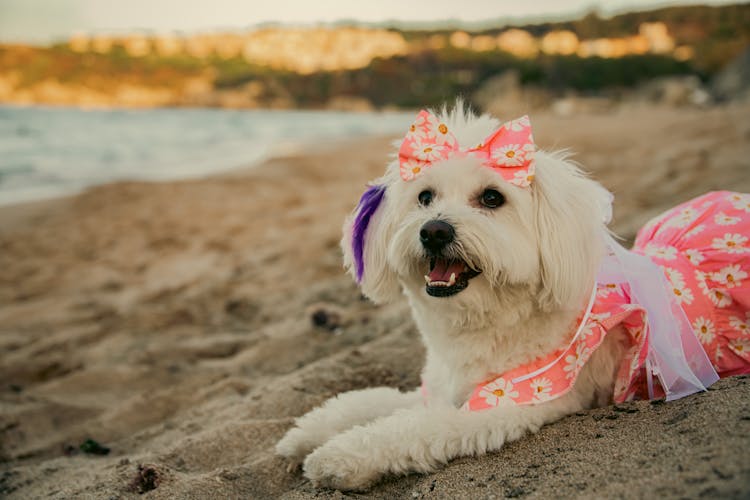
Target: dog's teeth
427,279
452,280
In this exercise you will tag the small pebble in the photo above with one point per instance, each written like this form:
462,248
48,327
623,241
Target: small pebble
327,316
515,492
92,447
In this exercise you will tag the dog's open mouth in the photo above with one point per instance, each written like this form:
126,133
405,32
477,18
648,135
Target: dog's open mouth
447,277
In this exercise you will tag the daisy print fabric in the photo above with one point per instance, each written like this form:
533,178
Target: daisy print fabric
704,248
553,375
498,392
509,150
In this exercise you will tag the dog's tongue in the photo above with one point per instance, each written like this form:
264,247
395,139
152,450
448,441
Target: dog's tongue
443,269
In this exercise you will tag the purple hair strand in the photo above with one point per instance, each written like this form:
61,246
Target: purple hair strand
368,205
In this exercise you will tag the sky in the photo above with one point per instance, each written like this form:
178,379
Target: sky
42,21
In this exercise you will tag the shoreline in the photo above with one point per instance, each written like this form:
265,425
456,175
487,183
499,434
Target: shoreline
286,152
52,153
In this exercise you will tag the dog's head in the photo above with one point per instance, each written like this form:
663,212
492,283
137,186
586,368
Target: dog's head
460,233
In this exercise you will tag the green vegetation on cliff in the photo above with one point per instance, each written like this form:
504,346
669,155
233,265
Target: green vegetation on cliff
427,75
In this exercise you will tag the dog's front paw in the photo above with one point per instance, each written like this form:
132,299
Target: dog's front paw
296,445
335,466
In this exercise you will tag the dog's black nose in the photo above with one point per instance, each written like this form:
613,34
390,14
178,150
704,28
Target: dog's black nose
436,235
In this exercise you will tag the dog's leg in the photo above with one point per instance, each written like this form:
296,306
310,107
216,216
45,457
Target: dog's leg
420,439
340,413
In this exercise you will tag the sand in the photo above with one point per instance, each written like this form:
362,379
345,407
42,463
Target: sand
171,322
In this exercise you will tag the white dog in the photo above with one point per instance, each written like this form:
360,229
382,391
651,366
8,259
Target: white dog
496,269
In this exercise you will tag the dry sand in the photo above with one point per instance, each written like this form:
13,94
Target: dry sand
172,323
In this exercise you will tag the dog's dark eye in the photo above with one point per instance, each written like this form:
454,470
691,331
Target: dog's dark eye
492,198
425,197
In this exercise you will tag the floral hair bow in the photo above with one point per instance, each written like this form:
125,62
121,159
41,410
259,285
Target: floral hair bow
509,150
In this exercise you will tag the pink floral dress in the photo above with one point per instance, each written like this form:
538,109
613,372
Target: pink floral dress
702,247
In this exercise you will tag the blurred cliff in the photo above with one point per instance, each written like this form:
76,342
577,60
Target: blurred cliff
674,55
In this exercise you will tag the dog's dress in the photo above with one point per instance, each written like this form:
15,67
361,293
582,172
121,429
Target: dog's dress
703,249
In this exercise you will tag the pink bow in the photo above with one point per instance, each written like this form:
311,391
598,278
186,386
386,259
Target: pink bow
509,150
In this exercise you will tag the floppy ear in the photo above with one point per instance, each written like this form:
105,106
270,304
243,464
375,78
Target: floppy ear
365,246
571,212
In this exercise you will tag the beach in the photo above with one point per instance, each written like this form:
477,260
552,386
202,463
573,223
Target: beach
172,322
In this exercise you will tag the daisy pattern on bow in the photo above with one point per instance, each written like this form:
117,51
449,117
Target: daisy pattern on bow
541,387
730,276
665,252
575,360
411,169
723,219
522,178
704,330
694,256
426,121
427,152
739,324
416,132
497,392
732,243
682,293
510,155
518,124
441,134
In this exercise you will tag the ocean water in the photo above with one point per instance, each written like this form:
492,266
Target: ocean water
47,152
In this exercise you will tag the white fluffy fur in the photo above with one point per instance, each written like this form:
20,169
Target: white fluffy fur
539,254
